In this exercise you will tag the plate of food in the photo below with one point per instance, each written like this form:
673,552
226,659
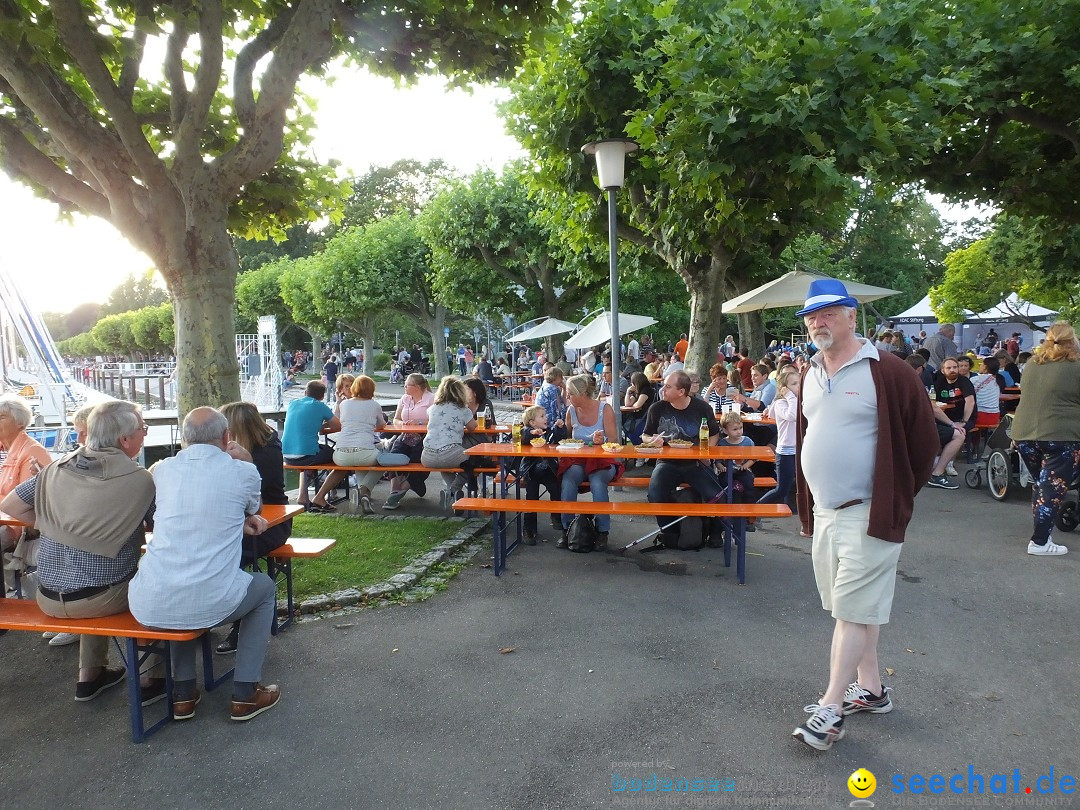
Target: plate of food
681,443
539,441
612,447
571,444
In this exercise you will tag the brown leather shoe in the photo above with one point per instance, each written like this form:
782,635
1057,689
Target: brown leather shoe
185,709
265,697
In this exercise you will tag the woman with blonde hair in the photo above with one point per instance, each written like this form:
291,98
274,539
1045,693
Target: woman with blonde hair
1046,429
343,389
412,409
448,419
590,420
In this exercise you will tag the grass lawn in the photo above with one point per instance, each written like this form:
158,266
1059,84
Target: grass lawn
367,551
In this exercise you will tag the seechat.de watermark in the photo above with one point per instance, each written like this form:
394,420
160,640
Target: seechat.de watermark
974,783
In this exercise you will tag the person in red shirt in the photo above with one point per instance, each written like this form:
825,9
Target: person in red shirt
744,364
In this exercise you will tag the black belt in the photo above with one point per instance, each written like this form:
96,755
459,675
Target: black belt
855,502
72,596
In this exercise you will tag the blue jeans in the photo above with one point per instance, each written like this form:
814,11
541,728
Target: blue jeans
785,479
667,477
598,482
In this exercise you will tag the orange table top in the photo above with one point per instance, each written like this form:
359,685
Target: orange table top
625,451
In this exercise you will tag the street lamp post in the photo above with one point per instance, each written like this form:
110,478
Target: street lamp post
610,157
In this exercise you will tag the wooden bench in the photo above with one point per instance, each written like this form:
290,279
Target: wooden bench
500,507
412,467
643,481
141,642
279,565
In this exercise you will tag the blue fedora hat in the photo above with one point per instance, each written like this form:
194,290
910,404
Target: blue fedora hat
826,292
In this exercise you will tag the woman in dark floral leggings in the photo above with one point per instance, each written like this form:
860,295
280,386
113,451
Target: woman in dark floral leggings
1046,430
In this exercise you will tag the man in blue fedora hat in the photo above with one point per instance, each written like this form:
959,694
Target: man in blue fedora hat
865,443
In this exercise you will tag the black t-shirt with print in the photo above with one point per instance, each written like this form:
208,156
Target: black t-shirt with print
953,394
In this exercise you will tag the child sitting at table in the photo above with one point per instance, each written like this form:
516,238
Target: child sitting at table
742,477
537,472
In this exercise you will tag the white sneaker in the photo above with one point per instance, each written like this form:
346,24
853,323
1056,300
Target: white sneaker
63,639
950,469
1051,549
48,634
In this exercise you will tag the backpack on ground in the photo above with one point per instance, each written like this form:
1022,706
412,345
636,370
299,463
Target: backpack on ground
690,533
581,534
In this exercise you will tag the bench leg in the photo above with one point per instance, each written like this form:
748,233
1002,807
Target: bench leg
136,652
284,568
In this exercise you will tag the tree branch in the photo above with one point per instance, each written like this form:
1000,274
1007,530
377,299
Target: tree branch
306,41
263,43
174,70
129,72
1026,115
993,124
24,162
79,41
188,135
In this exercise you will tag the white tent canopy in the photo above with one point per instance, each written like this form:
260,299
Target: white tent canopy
1012,309
546,328
917,313
598,332
790,291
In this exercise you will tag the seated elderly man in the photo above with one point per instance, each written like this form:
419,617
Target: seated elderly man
679,416
191,578
90,507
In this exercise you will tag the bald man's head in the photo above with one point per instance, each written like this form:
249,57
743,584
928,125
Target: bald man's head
205,426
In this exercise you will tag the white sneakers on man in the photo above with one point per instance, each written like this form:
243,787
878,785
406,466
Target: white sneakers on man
1051,549
60,639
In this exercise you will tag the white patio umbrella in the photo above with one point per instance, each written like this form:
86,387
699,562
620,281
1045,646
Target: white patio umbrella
598,331
546,328
790,291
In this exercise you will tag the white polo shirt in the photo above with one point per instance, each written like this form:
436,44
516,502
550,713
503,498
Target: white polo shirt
840,442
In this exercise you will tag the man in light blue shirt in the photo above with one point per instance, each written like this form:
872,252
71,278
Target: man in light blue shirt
304,421
190,577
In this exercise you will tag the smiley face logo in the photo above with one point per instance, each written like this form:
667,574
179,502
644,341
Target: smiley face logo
862,784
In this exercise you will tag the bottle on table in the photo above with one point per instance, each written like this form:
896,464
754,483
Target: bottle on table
703,435
515,434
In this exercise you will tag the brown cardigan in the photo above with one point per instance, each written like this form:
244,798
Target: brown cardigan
906,448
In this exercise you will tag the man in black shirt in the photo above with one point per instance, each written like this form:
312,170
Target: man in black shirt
954,413
678,416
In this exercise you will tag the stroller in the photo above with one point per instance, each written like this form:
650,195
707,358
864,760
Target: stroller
397,373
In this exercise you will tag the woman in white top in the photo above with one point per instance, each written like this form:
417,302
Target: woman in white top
356,446
448,419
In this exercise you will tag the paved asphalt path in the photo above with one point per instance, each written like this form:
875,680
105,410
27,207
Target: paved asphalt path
619,666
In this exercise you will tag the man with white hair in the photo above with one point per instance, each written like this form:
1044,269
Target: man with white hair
865,444
191,578
941,345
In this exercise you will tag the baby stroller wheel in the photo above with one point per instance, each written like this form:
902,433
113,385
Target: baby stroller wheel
973,478
1068,518
999,475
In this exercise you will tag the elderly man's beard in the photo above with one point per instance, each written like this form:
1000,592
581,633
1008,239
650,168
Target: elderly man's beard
823,338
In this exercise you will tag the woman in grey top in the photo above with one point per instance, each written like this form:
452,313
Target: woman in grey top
1046,430
448,419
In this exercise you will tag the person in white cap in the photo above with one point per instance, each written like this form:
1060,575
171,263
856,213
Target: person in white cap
865,447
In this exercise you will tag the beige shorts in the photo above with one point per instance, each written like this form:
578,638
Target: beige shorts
855,573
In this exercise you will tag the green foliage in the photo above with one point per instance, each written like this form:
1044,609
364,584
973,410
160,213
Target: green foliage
493,249
381,361
1036,258
300,240
258,292
152,328
135,292
404,186
113,334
